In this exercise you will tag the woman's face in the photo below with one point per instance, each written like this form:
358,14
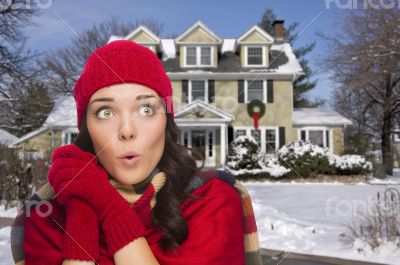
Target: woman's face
127,118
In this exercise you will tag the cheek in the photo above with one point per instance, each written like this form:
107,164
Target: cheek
154,136
101,138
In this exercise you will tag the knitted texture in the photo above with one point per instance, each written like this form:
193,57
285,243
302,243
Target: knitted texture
72,174
80,212
122,62
251,243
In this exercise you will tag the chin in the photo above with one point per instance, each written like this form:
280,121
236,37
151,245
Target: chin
126,181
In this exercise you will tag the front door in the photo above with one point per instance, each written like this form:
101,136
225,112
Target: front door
199,144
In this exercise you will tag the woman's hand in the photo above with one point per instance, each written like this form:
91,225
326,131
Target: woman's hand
75,173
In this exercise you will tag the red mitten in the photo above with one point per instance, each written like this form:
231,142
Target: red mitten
75,173
81,217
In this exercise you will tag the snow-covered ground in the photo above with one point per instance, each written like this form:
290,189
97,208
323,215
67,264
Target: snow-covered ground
5,250
305,217
309,218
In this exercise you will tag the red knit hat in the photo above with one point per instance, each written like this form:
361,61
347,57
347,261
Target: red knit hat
122,61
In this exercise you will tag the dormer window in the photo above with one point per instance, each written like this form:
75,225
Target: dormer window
255,56
205,55
198,56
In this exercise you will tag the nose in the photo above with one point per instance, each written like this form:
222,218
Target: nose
127,129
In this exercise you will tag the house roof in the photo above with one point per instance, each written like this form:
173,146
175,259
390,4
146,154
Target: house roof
318,117
145,29
283,60
223,116
169,48
63,114
28,136
202,26
268,38
6,137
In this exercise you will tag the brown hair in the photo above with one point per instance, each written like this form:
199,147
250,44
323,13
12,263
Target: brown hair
179,166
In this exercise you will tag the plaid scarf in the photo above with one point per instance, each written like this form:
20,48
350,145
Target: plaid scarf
132,193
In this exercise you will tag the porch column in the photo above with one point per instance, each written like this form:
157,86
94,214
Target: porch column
223,143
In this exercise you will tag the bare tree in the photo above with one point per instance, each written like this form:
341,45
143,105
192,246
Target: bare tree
63,67
365,59
14,57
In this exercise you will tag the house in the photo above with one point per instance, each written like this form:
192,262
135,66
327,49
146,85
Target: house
215,81
7,138
58,129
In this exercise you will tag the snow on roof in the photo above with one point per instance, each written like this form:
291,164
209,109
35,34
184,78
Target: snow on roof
6,137
293,64
113,38
28,136
318,116
168,46
63,113
228,45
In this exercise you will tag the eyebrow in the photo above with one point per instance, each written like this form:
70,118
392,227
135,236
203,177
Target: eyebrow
139,97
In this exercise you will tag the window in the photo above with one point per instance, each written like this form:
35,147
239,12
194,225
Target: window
240,132
256,133
210,144
72,137
303,135
254,56
186,138
199,56
270,141
316,137
266,137
255,90
69,137
198,90
205,55
191,56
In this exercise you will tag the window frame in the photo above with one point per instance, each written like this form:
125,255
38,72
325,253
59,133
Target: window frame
246,88
263,54
199,56
263,129
190,99
66,135
318,128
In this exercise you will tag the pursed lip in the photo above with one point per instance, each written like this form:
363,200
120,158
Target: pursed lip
129,154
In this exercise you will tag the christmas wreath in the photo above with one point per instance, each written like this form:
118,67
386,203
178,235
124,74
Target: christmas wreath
256,115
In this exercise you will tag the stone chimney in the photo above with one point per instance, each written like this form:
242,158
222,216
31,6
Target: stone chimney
279,30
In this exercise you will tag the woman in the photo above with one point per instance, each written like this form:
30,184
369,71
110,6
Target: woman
126,192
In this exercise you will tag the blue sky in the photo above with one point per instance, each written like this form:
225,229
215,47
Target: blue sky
228,19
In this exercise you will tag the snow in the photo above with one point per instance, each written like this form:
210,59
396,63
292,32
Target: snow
113,38
168,46
309,219
5,249
318,117
63,113
9,213
228,45
306,218
389,180
28,136
6,137
292,66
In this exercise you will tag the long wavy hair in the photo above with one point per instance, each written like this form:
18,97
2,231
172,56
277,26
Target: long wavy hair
179,166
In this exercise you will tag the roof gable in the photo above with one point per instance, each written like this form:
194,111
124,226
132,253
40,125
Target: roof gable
143,35
256,35
198,33
198,109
